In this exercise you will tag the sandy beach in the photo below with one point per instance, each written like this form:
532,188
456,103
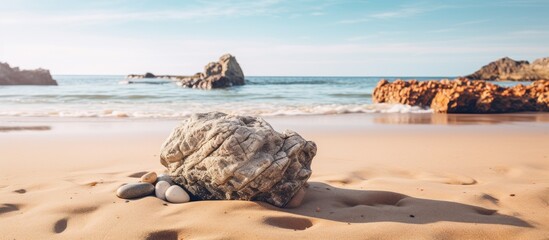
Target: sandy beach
376,176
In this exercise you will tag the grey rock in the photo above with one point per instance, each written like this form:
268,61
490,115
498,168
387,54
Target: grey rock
149,75
176,194
160,189
14,76
220,156
135,190
164,177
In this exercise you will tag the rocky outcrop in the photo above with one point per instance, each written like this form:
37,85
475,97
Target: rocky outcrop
14,76
224,73
413,92
465,96
149,75
511,70
220,156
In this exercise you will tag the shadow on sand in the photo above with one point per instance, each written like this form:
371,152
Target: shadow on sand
363,206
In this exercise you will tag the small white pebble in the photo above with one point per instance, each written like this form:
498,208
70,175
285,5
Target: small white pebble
176,194
160,189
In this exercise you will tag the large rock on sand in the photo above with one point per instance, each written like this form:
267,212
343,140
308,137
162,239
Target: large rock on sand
465,96
220,156
14,76
224,73
509,69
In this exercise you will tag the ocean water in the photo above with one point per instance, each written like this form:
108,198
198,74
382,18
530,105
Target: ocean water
110,96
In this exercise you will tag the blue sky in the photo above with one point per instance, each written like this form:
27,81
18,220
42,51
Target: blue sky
272,37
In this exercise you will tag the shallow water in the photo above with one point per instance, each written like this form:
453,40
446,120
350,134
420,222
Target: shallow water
111,96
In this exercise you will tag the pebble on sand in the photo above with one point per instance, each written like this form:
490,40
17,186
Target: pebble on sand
135,190
160,189
165,177
176,194
149,177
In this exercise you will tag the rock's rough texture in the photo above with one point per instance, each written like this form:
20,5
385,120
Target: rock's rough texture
465,96
411,92
509,69
220,156
14,76
135,190
224,73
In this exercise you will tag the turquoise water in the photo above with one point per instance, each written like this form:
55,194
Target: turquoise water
109,96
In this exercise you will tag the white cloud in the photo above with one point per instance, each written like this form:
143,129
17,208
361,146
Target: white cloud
207,11
531,33
471,22
107,55
402,12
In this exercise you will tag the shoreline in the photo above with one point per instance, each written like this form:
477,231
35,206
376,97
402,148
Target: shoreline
456,117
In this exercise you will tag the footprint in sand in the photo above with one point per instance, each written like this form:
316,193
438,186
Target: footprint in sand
490,198
60,225
374,198
21,191
292,223
163,235
8,207
84,210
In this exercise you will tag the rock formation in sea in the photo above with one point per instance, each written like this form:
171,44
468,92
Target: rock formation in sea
508,69
220,156
465,96
224,73
14,76
147,75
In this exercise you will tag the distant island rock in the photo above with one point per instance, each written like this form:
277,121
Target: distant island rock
465,96
224,73
149,75
14,76
507,69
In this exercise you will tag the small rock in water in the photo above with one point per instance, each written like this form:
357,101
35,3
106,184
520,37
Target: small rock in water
176,194
149,177
160,189
135,190
165,177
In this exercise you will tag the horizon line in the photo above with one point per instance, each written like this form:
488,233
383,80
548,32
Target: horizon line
350,76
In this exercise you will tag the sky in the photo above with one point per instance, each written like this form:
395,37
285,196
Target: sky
272,37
